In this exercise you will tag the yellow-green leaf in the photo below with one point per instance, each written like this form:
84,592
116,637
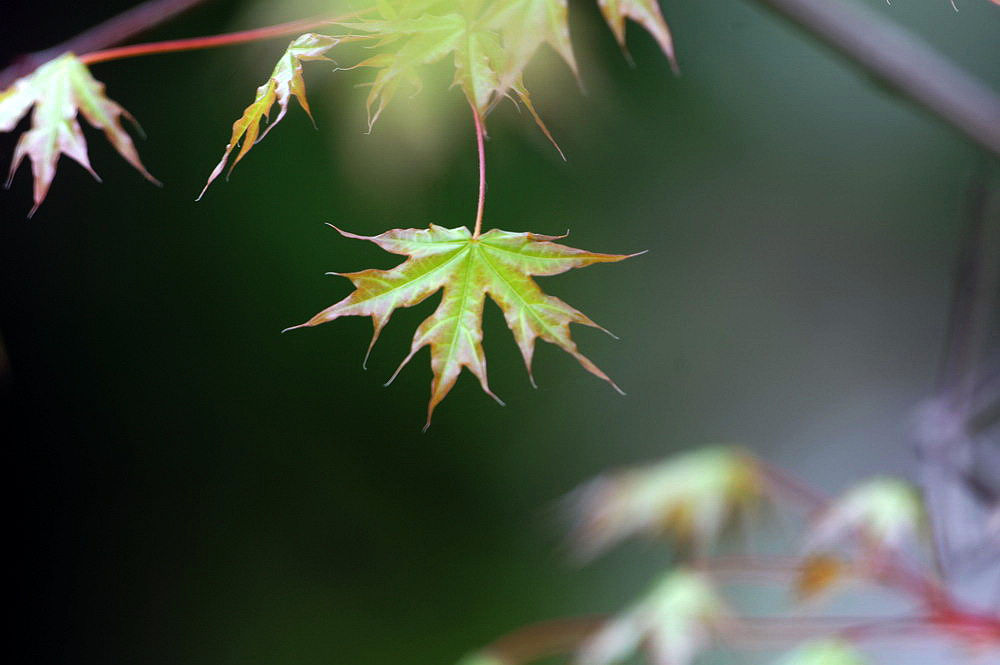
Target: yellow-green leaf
498,263
286,81
59,90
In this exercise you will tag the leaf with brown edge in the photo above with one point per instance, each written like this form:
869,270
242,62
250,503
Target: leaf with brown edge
286,81
59,90
498,263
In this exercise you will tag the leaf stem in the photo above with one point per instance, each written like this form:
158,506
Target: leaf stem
211,41
482,169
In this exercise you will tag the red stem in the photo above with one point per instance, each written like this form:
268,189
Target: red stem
482,170
113,31
211,41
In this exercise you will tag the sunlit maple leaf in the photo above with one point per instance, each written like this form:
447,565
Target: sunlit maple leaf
286,81
499,263
492,43
425,39
59,90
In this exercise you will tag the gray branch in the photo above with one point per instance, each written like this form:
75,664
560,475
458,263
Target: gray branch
902,62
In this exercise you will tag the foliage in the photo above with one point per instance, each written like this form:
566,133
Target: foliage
688,610
884,512
286,81
498,263
673,623
59,90
691,497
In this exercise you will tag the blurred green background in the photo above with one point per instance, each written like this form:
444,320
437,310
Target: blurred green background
188,485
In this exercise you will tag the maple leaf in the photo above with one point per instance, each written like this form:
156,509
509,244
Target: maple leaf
692,495
884,512
526,25
426,39
59,90
675,621
492,43
500,263
286,81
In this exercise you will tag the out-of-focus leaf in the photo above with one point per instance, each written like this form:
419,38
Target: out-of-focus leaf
691,496
825,652
286,81
59,90
481,658
674,622
499,263
884,512
492,43
817,574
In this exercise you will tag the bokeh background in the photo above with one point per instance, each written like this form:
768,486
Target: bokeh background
187,485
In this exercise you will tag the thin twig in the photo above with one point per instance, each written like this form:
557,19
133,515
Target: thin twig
902,61
212,41
113,31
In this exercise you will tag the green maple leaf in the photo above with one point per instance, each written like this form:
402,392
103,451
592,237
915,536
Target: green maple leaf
492,43
286,81
59,90
428,38
500,263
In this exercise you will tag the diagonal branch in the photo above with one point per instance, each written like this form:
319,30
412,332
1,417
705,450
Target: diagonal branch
113,31
900,60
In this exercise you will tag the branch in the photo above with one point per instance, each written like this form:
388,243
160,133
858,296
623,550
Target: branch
901,61
212,41
113,31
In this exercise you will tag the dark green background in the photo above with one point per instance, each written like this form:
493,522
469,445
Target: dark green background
186,485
